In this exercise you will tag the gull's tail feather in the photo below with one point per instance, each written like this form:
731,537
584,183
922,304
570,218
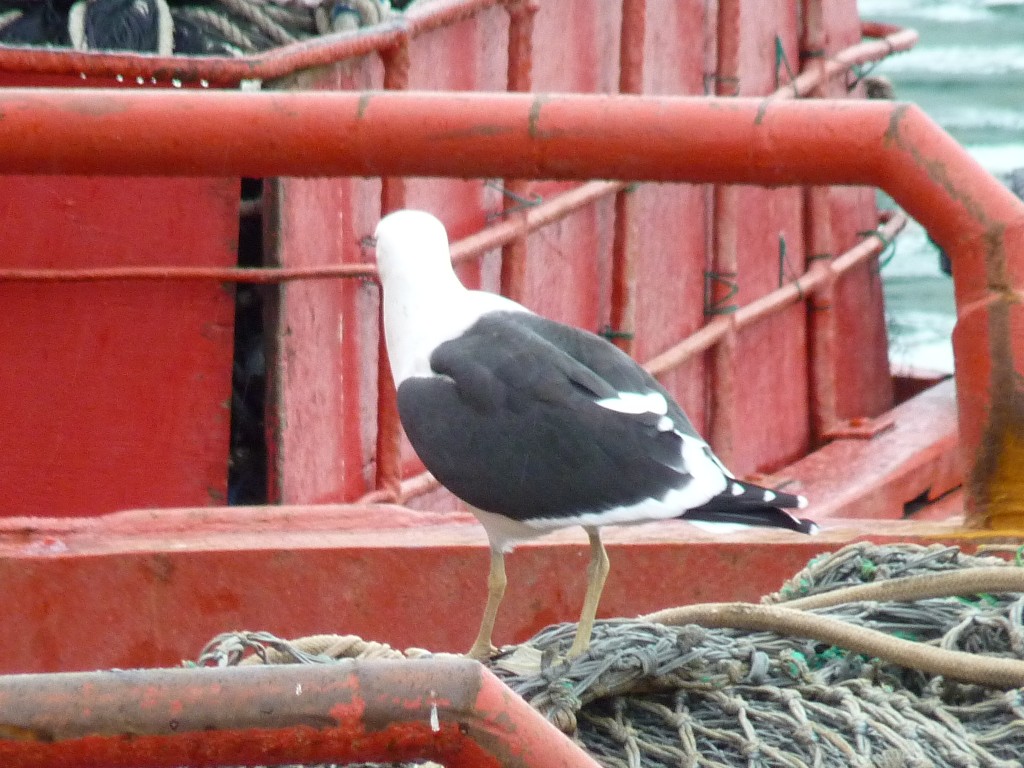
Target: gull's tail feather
748,504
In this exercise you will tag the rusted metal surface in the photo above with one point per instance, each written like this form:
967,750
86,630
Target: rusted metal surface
52,67
809,283
450,710
515,191
821,330
393,197
622,311
875,469
862,427
253,275
162,583
720,284
114,395
751,141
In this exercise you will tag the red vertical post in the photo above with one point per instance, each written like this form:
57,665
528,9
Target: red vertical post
389,434
820,245
721,279
520,79
624,245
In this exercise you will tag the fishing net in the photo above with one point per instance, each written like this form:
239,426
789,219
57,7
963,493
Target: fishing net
934,636
186,27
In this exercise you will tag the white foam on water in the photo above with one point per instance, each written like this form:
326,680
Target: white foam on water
999,159
956,62
957,11
920,340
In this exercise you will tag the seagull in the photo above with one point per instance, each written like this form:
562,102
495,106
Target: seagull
537,425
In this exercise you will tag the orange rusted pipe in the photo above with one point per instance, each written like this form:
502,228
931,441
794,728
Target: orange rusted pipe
446,709
465,134
388,449
894,146
222,71
822,320
519,78
468,248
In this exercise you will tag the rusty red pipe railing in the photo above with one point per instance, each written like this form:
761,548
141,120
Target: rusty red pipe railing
225,71
816,279
470,247
508,233
822,320
447,709
388,464
187,133
722,270
519,79
622,304
222,71
770,142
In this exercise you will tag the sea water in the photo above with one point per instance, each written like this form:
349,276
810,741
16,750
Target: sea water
967,73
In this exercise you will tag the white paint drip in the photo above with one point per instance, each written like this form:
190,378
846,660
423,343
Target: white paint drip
435,721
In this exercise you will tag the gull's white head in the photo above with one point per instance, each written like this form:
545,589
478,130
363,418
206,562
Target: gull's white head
411,245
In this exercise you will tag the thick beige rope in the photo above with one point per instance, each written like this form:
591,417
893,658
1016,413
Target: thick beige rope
956,665
967,581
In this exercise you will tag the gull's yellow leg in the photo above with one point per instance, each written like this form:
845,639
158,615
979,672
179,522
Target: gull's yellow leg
597,572
496,582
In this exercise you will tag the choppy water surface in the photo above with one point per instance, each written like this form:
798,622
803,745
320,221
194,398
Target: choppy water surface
967,73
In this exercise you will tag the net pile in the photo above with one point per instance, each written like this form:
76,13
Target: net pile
186,27
654,694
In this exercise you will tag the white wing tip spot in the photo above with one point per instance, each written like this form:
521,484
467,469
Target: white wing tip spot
665,424
737,489
636,403
801,502
769,496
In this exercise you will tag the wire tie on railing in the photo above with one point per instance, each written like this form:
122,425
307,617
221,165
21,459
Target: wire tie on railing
780,59
784,268
820,257
713,79
888,252
860,71
611,334
521,203
367,243
720,307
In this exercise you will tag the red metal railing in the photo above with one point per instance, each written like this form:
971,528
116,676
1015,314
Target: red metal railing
511,234
220,71
447,709
769,142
